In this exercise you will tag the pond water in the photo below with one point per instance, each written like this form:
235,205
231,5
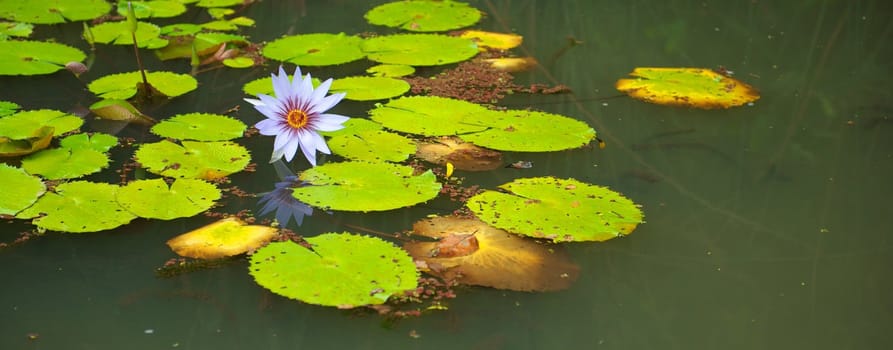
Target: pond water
767,225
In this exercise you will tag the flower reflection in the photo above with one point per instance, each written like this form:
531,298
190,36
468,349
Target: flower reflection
280,199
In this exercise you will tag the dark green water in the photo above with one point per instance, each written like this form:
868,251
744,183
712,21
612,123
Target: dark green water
768,226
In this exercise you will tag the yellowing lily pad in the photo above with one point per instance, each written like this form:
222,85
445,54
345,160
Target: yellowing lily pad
156,200
124,85
687,87
200,127
499,41
18,147
198,160
472,252
463,155
424,15
319,49
342,270
223,238
512,64
78,206
557,209
19,189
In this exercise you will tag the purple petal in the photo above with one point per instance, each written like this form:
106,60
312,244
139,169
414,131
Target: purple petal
296,80
269,126
329,122
308,147
321,143
306,91
281,85
327,103
290,148
320,92
253,101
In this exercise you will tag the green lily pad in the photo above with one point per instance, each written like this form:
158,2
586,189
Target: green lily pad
118,33
419,49
181,29
530,131
197,160
430,115
390,70
205,44
120,110
26,124
153,8
35,57
17,29
342,270
424,15
557,209
370,88
123,85
373,146
79,155
219,3
78,206
219,12
154,199
229,24
97,142
353,126
7,108
239,62
200,127
20,190
53,11
362,186
319,49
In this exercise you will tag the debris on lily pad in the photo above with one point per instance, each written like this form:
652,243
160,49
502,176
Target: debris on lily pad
123,86
155,199
53,11
472,252
463,155
687,87
369,88
225,237
561,210
199,160
35,57
19,189
200,127
419,49
365,186
424,15
317,49
342,270
78,206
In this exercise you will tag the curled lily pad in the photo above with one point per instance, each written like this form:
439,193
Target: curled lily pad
319,49
35,57
472,252
204,43
424,15
557,209
118,33
463,155
342,270
80,155
372,146
20,189
18,147
124,85
512,64
25,124
687,87
120,110
370,88
198,160
16,29
529,131
78,206
53,11
429,115
364,186
223,238
156,200
419,49
200,127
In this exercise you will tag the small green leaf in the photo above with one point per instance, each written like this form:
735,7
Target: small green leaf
152,8
7,108
239,62
65,163
200,127
20,190
17,29
530,131
97,141
78,206
155,200
118,33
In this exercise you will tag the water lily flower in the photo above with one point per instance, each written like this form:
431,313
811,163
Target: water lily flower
295,115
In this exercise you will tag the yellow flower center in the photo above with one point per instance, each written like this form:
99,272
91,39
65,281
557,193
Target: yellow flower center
296,118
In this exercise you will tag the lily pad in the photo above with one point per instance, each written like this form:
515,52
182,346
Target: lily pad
430,115
419,49
319,49
20,190
223,238
153,8
228,24
155,200
390,70
372,146
424,15
354,126
687,87
557,209
462,155
53,11
7,108
200,127
124,85
369,88
342,270
118,33
120,110
363,186
197,160
25,124
16,29
472,252
205,43
219,3
499,41
530,131
18,147
512,64
35,57
79,155
78,206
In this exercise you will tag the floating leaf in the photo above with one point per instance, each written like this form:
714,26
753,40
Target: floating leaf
18,29
463,155
229,24
419,49
78,206
153,8
26,124
342,270
319,49
35,57
20,190
354,126
198,160
362,186
499,41
472,252
557,209
687,87
529,131
200,127
424,15
53,11
512,64
372,146
205,44
369,88
80,154
429,115
223,238
124,85
18,147
219,3
120,110
391,70
118,33
7,108
155,200
180,29
239,62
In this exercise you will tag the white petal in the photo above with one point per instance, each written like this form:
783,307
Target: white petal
281,140
308,147
281,85
320,92
291,148
327,103
269,127
321,144
296,80
253,101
